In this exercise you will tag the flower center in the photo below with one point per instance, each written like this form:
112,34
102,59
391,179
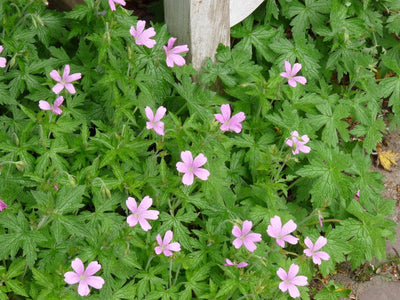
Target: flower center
191,169
82,277
136,215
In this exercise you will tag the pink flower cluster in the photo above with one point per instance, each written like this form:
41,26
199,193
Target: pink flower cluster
290,280
143,38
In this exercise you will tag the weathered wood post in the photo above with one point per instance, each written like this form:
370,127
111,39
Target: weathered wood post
203,24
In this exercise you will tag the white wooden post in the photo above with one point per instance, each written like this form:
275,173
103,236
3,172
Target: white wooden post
203,24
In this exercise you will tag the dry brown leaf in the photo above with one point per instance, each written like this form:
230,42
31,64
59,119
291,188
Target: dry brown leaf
387,158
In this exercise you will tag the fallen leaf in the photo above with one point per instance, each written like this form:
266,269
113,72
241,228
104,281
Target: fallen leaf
387,158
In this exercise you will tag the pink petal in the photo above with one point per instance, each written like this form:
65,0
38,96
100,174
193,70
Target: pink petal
168,237
158,250
58,88
219,118
174,247
144,224
250,246
66,73
236,231
58,101
188,179
294,134
289,227
151,214
92,268
284,74
289,142
228,262
308,242
323,255
78,266
308,252
292,82
83,288
283,286
237,243
159,239
300,79
226,112
149,114
182,167
149,43
225,127
57,111
132,220
70,88
133,31
170,61
112,5
246,227
280,243
145,204
121,2
296,68
254,237
293,270
131,204
140,27
187,157
159,128
170,44
167,252
3,62
290,239
202,174
316,260
239,117
1,49
321,242
160,113
293,291
44,105
300,280
54,75
304,149
235,127
199,161
288,68
242,265
179,49
73,77
71,278
95,281
275,228
281,274
178,60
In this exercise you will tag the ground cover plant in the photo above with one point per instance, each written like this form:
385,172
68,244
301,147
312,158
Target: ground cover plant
122,178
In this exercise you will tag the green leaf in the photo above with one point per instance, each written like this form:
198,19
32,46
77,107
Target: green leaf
16,287
69,199
332,292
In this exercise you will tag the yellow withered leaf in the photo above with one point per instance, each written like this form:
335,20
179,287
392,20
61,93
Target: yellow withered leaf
387,158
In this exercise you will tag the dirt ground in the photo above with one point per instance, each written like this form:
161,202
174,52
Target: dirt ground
379,280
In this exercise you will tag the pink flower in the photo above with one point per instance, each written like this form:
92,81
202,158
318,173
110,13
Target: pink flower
56,187
298,143
290,74
141,214
244,237
44,105
3,61
142,37
237,265
281,234
313,249
172,53
290,280
320,219
65,81
154,121
2,205
84,277
227,122
112,3
358,194
165,246
192,167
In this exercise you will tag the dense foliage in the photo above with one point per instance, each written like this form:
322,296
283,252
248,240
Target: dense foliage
66,176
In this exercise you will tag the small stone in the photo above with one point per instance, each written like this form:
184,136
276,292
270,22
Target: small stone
378,271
